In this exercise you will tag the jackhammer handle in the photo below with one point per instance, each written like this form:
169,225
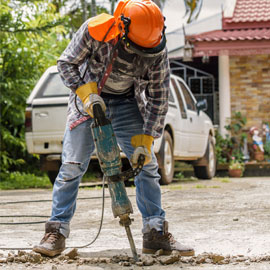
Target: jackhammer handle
99,115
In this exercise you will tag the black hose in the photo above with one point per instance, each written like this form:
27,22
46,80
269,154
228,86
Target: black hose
99,230
22,223
37,201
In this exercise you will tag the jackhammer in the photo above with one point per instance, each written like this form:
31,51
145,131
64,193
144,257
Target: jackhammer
108,154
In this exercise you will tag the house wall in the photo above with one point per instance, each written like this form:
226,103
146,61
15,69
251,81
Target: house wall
250,87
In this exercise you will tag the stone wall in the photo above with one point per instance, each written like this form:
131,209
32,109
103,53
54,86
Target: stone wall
250,87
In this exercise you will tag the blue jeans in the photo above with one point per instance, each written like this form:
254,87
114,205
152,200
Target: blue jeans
78,147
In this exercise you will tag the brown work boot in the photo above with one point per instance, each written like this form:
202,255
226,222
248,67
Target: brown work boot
53,242
155,240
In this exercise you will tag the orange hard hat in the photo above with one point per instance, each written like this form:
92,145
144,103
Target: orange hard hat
146,22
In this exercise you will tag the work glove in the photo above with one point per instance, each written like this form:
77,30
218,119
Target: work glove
142,144
88,94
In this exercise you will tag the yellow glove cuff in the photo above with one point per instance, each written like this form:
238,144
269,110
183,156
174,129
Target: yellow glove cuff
85,90
142,140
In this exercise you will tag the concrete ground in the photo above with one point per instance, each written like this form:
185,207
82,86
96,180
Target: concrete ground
225,216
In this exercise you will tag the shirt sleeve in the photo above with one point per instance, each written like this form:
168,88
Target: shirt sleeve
157,94
74,55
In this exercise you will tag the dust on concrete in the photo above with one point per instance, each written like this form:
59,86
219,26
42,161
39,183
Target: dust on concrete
223,217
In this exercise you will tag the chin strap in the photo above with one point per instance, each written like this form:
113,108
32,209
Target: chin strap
126,21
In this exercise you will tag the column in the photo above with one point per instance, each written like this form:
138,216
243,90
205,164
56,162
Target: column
224,91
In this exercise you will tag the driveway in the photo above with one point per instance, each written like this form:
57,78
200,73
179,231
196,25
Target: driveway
226,220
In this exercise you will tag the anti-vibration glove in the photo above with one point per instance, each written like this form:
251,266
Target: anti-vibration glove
142,144
88,94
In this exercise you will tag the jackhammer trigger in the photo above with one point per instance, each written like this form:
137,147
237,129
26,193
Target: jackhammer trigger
123,176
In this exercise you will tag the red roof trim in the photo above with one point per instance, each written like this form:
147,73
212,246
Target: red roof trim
231,35
239,47
226,25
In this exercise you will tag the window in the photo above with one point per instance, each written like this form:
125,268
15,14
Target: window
189,100
53,87
179,98
171,98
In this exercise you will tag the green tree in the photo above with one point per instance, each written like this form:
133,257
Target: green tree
76,12
193,8
33,35
29,44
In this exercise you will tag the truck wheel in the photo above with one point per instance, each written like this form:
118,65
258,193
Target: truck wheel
208,170
166,159
52,175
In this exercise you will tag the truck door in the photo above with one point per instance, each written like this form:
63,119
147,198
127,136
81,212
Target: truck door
49,112
181,123
197,136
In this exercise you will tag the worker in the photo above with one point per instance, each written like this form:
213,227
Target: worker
125,57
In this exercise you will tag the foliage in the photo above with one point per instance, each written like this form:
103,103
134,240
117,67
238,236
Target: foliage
266,148
33,35
236,126
16,180
193,9
76,16
232,145
179,175
266,141
29,44
222,146
235,164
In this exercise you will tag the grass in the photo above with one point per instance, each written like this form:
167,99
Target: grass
200,186
204,186
186,179
224,180
179,175
92,176
183,165
175,187
93,188
17,180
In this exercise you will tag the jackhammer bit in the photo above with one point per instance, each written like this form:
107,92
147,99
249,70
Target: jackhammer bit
108,154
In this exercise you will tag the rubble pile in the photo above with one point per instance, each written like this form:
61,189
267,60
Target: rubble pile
70,256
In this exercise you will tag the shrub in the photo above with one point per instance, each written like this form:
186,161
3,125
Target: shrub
17,180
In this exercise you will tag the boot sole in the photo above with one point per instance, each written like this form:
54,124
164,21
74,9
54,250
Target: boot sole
50,253
168,252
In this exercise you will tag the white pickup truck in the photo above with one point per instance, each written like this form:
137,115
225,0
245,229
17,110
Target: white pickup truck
188,134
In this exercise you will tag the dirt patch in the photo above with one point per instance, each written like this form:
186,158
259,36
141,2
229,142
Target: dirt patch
227,221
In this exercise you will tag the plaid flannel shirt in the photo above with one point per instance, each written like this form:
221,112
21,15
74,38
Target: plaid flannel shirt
151,90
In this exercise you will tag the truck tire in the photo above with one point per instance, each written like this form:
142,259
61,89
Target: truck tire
52,175
208,170
166,159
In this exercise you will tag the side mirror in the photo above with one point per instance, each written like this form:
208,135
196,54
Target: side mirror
201,105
